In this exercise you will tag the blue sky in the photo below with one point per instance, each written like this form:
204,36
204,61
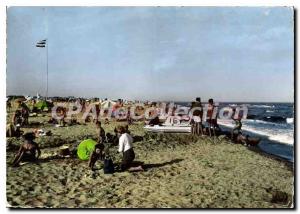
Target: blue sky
153,53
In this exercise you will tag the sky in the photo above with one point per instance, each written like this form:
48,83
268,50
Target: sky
241,54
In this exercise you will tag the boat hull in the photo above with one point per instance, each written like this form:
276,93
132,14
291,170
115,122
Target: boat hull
168,129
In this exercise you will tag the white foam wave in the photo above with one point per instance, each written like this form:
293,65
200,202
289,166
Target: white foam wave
263,106
290,120
282,136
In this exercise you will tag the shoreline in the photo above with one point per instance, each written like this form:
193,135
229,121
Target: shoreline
265,140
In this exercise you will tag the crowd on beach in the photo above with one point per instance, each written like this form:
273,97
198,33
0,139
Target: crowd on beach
30,151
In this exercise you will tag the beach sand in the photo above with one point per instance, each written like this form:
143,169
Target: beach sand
182,171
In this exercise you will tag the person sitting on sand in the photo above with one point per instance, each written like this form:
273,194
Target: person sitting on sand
154,121
100,132
237,128
126,147
27,150
247,140
17,117
25,113
96,155
106,121
8,104
13,131
62,114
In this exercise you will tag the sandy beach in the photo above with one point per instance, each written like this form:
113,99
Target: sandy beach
181,171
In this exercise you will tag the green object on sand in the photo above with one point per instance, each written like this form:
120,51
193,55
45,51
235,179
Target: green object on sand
85,148
41,105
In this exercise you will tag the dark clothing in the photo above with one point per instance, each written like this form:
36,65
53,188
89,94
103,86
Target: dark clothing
128,157
197,112
154,121
108,166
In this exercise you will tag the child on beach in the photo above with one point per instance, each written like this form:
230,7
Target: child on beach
193,127
27,150
96,155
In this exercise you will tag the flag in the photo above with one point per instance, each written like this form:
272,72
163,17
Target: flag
41,44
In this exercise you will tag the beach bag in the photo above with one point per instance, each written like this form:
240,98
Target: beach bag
108,166
85,148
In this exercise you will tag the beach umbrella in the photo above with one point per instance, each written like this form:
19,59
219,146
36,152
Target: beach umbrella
107,104
85,148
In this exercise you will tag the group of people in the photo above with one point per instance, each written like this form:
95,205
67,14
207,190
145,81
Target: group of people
210,126
30,151
200,127
123,139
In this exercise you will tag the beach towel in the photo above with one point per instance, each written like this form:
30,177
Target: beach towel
85,148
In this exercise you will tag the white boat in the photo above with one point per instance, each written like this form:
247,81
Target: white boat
168,129
173,124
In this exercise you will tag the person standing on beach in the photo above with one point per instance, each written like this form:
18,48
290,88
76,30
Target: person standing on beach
126,148
100,132
128,116
197,116
211,121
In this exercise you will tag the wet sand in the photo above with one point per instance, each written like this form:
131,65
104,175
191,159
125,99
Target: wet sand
180,171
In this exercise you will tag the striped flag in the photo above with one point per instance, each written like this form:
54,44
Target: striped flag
41,44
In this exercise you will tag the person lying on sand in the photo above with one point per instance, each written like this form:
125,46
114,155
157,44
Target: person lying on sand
100,132
96,155
27,150
126,147
247,140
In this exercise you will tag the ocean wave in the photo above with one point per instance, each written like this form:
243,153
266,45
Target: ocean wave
290,120
274,119
269,111
263,106
269,119
282,136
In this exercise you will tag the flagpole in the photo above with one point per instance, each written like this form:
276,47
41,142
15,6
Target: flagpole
43,44
47,43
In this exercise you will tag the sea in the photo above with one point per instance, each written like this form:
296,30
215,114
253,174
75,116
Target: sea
272,122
